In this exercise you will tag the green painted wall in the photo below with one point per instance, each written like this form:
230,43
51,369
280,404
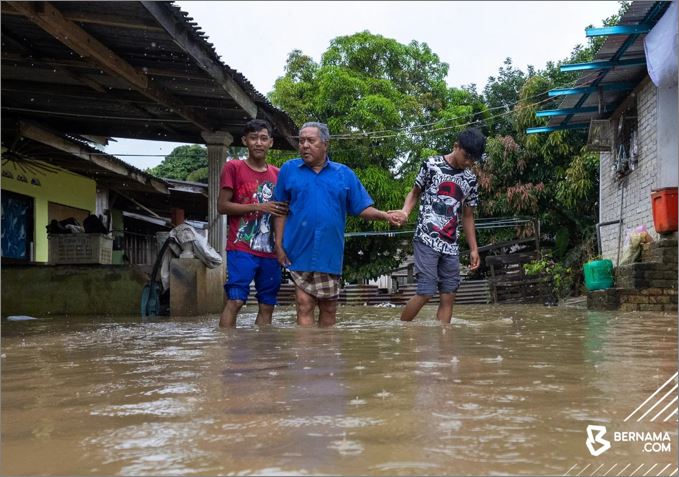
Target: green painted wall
62,187
94,290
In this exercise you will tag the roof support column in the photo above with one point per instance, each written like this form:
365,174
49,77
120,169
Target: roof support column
218,143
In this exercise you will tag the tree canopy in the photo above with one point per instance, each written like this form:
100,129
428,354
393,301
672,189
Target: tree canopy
188,163
181,162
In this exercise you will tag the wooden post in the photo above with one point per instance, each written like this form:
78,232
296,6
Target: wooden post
493,286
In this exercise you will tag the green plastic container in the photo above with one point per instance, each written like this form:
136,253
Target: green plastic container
598,274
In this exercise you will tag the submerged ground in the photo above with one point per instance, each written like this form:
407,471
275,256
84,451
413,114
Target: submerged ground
502,390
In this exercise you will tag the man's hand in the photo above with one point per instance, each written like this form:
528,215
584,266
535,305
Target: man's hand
474,260
282,256
277,209
397,217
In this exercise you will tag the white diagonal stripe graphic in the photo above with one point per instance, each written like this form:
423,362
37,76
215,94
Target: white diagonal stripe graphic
652,467
665,408
574,465
663,470
635,470
651,396
675,471
583,469
614,466
661,400
623,470
597,469
673,413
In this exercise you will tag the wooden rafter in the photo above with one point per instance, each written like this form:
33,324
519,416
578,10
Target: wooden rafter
42,135
198,53
95,18
53,22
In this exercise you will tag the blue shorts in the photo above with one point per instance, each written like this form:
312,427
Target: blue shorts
243,267
435,270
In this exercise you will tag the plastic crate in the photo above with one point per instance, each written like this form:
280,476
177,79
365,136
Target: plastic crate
80,248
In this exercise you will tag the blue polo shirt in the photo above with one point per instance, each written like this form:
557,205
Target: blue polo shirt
318,205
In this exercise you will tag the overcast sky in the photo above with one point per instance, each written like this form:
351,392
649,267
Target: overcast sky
473,37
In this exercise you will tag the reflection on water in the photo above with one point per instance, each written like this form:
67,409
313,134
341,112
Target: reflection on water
502,390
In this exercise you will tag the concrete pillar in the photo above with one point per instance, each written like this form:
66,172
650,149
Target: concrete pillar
218,143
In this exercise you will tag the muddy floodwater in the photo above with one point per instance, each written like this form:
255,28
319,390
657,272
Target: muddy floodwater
502,390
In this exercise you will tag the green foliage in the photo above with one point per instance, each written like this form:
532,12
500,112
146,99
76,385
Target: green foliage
199,175
278,157
560,276
181,162
500,94
550,176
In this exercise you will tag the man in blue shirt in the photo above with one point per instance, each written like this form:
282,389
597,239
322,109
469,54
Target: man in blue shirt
310,239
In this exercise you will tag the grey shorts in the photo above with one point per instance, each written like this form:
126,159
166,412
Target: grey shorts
435,271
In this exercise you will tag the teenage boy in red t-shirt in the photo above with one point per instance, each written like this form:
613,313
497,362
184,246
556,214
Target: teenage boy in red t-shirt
246,187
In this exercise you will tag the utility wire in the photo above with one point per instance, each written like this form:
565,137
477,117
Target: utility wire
582,81
447,128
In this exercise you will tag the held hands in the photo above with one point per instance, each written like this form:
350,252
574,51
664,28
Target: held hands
397,217
277,209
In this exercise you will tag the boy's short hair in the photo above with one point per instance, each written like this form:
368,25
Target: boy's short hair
473,142
256,125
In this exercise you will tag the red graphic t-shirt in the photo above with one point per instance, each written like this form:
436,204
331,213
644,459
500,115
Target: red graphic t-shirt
252,232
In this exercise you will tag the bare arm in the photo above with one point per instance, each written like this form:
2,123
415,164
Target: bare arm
411,200
371,213
470,232
408,206
225,205
278,228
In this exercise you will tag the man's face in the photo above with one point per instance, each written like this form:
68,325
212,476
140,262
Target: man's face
311,147
461,158
258,143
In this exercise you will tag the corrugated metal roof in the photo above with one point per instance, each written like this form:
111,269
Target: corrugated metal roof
45,80
615,47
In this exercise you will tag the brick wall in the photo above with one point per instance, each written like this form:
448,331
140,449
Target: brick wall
635,189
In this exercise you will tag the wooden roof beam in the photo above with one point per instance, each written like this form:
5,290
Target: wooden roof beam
110,20
44,136
95,18
198,53
53,22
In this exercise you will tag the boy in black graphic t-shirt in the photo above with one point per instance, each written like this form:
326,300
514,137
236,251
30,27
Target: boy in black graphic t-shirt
448,193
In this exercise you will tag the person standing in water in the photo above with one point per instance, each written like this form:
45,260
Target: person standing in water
245,196
310,240
448,194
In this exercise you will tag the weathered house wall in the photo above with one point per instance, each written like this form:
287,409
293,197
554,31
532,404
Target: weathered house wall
59,187
629,198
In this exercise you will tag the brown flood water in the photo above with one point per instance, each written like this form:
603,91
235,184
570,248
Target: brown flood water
502,390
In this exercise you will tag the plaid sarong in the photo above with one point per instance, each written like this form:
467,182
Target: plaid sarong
323,286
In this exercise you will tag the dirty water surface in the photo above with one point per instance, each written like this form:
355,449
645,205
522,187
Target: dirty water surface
501,390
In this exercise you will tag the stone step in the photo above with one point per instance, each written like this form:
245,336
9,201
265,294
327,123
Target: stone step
633,299
646,275
662,254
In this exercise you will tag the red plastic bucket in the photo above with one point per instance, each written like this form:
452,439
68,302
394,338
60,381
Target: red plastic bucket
664,202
